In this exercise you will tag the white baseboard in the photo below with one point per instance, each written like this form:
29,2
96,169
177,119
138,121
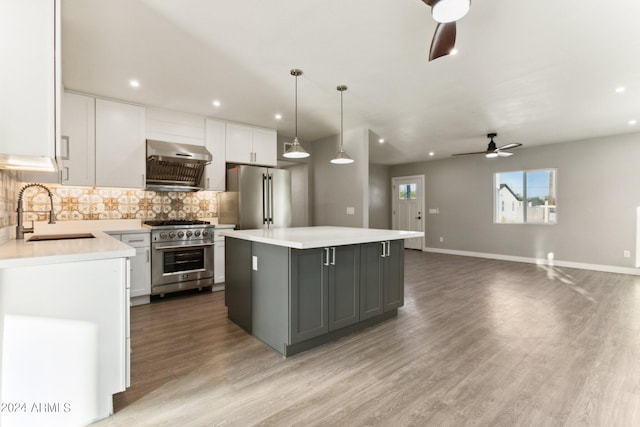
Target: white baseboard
554,263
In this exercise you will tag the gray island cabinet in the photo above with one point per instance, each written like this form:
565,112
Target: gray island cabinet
298,288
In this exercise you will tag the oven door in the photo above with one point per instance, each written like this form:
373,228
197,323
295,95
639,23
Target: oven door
174,262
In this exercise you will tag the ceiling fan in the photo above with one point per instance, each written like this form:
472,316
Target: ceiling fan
445,13
494,151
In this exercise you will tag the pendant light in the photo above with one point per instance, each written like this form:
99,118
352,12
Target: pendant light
296,151
342,158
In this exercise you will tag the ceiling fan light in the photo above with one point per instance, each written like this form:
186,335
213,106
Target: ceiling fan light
296,151
342,158
445,11
491,155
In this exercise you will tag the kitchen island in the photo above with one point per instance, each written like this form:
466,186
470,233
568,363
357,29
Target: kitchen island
297,288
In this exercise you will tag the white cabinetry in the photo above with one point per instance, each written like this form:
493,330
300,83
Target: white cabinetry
29,46
251,145
120,144
140,266
215,173
174,126
78,143
69,296
218,259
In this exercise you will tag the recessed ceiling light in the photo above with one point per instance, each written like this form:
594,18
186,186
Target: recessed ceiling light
633,122
134,83
453,52
620,89
431,153
278,116
381,140
216,103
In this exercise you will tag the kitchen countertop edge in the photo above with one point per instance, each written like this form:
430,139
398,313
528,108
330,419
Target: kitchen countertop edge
321,236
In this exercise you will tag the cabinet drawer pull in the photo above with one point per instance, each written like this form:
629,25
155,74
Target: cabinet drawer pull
326,256
135,240
388,248
333,256
384,249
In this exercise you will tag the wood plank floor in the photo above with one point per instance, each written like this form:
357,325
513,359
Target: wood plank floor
478,342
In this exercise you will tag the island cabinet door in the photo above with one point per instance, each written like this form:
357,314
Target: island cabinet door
344,286
394,275
371,278
308,294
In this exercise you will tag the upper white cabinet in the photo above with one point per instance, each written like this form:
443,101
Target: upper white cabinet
78,141
215,173
248,144
29,46
174,126
120,144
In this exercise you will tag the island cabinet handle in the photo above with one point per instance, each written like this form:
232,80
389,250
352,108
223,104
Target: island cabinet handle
384,249
326,256
333,256
388,248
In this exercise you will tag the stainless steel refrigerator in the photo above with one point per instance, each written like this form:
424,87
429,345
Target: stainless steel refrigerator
256,197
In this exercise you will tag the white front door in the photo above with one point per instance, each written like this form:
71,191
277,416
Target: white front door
408,207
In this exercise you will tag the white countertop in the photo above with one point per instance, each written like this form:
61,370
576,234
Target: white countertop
22,253
318,237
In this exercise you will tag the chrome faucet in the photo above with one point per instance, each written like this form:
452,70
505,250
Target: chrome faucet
20,228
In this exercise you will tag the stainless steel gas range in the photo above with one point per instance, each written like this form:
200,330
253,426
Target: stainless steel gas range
181,255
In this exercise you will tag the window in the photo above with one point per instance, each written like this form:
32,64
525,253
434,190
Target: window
532,195
408,191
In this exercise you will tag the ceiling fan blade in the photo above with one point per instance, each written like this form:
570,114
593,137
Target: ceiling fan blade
504,153
444,40
475,152
509,146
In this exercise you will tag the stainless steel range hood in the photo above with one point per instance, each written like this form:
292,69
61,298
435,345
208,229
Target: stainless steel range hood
175,167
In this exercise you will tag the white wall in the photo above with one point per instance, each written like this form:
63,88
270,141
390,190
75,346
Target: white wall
379,196
598,197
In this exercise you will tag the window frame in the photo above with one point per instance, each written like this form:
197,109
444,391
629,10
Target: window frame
524,172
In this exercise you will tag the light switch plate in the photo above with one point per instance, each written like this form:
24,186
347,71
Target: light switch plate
351,210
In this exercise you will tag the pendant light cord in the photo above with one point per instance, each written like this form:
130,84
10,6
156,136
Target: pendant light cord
341,121
296,112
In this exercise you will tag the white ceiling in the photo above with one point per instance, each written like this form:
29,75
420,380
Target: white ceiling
536,72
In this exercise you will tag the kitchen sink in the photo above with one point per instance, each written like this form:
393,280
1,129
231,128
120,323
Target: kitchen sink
66,236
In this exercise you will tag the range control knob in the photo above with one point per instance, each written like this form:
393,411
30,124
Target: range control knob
197,233
189,234
180,234
205,233
163,235
172,234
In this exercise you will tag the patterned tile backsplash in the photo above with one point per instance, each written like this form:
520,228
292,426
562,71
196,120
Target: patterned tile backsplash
81,203
9,186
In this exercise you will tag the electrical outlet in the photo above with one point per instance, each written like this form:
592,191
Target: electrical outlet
441,239
351,210
627,254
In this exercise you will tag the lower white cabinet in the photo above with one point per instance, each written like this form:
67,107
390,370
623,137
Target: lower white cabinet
140,266
218,257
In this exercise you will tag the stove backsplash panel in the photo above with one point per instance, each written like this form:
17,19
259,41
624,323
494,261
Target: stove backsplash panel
82,203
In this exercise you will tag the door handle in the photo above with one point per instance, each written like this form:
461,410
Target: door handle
333,256
326,256
147,255
265,213
418,217
270,199
384,249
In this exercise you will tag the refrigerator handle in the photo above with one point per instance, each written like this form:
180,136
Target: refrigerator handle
270,199
265,213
